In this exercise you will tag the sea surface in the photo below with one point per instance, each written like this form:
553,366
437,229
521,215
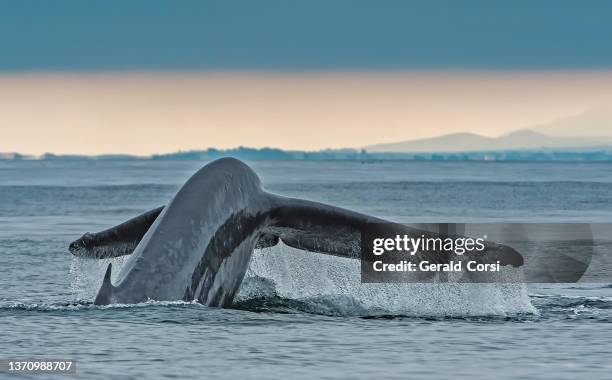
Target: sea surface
301,314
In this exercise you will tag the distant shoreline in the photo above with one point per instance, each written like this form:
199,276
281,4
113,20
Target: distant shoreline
595,154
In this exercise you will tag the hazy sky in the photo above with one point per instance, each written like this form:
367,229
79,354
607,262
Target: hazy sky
158,76
163,112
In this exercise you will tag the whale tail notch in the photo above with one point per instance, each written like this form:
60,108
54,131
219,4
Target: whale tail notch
105,294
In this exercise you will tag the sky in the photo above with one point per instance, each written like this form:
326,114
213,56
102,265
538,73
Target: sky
298,35
145,77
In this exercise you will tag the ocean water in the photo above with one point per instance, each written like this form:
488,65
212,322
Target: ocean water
301,314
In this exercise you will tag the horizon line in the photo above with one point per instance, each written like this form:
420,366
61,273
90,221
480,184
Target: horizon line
327,149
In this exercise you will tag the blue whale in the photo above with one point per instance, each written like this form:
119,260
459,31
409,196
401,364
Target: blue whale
199,246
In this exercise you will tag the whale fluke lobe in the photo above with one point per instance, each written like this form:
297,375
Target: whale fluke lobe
106,291
326,229
199,246
117,241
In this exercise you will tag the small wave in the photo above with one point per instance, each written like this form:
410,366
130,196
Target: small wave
347,307
44,307
86,305
331,306
568,302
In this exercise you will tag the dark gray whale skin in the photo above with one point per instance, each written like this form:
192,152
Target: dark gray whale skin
199,246
117,241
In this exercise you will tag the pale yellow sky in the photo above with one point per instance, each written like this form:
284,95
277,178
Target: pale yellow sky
144,113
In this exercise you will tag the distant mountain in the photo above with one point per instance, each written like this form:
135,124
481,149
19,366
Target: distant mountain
590,129
596,121
556,141
469,142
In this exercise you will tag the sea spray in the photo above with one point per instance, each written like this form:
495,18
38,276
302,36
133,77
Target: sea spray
86,275
312,277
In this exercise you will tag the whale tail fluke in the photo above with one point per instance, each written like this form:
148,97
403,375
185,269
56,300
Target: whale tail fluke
106,291
117,241
299,223
331,230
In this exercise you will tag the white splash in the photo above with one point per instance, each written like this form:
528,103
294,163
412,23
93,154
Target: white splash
87,275
307,276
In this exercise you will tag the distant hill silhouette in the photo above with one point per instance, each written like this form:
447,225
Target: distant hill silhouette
270,154
555,141
592,128
470,142
596,121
